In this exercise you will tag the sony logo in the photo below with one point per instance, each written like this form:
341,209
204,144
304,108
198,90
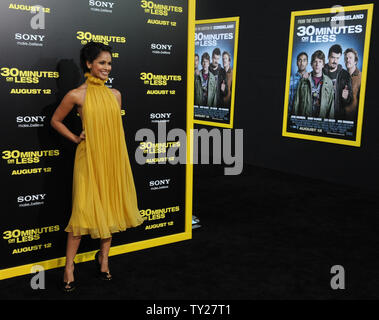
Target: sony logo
159,46
28,198
157,183
101,4
160,115
29,37
30,119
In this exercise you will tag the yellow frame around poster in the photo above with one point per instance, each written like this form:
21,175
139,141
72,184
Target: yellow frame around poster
135,246
221,20
357,142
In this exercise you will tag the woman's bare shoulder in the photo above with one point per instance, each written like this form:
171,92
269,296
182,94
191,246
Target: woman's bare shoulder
116,92
78,94
117,95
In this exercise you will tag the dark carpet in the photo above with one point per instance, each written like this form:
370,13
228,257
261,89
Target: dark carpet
264,235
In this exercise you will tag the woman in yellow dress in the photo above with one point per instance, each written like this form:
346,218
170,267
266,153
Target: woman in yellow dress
104,199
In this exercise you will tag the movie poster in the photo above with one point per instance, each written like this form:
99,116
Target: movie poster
326,74
216,44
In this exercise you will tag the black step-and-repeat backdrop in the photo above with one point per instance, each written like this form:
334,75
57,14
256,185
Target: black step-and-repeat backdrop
39,65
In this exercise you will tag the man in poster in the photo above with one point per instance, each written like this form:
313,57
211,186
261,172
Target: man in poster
341,81
315,94
197,71
205,84
351,60
302,63
226,60
220,76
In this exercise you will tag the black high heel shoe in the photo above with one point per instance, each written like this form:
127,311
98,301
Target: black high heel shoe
69,286
102,275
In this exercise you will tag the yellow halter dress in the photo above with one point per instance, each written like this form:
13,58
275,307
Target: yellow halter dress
104,199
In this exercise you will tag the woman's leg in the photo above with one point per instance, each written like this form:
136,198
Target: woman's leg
71,250
105,245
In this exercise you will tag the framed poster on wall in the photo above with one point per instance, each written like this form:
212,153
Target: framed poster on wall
216,48
326,74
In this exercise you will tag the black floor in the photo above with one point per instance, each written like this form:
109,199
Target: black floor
264,235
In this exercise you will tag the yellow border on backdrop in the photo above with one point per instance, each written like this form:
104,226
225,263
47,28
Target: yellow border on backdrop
357,142
221,20
135,246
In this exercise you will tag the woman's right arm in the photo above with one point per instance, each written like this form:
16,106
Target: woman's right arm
64,108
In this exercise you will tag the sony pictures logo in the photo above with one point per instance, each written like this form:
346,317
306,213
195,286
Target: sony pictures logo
31,200
30,121
160,117
159,184
101,6
30,40
159,48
